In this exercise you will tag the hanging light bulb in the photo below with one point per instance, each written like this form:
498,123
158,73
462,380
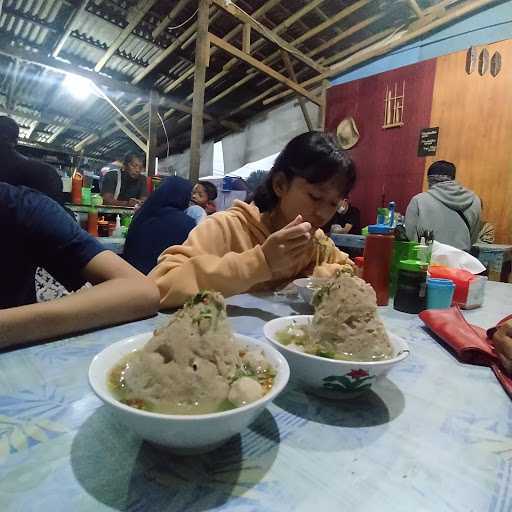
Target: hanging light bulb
78,86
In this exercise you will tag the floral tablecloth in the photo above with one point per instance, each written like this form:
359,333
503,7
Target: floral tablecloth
435,435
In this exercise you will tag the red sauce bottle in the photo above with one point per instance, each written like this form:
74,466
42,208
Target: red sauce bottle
92,222
378,254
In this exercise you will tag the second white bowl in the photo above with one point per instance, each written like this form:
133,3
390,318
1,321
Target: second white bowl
332,378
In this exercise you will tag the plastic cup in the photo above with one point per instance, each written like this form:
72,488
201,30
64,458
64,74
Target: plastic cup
86,196
439,293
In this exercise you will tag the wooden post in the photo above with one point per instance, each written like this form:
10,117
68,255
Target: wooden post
302,101
323,108
202,50
154,125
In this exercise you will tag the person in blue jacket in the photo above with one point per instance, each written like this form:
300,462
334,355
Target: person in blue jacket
160,223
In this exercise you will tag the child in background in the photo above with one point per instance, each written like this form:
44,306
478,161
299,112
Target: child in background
263,245
204,194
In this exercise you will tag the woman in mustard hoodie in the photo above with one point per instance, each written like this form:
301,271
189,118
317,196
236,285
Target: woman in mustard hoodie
265,244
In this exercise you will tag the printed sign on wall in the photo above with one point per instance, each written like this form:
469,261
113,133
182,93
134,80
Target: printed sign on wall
428,141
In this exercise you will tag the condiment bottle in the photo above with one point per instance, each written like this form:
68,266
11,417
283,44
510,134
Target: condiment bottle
102,227
118,232
411,287
422,251
378,252
76,188
92,222
359,262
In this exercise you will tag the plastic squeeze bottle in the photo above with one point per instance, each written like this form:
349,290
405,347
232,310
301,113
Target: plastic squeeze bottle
378,253
118,230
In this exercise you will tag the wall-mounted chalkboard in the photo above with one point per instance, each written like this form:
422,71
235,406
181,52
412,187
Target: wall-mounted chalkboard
428,141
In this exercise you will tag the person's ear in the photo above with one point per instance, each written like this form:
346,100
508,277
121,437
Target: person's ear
280,184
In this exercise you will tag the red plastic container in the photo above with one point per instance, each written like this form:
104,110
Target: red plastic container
469,289
378,253
359,261
76,188
92,222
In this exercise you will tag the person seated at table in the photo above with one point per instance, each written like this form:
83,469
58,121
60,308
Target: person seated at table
263,245
204,194
17,169
502,339
38,232
346,216
126,186
448,209
160,223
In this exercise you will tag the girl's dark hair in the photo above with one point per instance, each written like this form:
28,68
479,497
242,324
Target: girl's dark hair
210,189
129,157
314,156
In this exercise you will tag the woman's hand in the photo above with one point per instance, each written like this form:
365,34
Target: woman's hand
503,344
286,245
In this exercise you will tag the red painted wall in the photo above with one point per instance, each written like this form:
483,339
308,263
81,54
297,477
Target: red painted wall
386,160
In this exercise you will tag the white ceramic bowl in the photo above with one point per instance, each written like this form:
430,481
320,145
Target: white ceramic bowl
332,378
184,434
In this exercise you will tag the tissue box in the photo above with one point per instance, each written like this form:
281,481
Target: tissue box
469,289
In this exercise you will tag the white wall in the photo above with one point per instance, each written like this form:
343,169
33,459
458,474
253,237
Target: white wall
266,134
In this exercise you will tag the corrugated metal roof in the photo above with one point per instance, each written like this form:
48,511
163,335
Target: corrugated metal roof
38,25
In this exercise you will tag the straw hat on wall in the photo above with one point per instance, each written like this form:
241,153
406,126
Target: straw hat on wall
347,133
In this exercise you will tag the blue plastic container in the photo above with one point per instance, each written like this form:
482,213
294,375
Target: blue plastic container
439,293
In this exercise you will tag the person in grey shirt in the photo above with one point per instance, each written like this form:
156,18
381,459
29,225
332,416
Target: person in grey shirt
448,209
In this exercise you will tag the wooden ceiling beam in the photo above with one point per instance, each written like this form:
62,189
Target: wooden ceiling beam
63,67
258,13
251,61
409,35
132,136
70,25
168,19
257,44
282,26
302,102
365,43
165,53
137,15
268,34
346,34
347,11
386,43
48,118
340,37
111,128
344,13
362,44
418,11
233,33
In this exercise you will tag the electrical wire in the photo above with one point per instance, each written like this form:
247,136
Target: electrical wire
165,131
184,23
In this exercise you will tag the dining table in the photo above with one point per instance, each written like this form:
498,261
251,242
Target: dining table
433,435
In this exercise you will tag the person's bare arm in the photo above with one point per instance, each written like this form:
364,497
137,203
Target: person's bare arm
108,199
503,344
120,294
346,228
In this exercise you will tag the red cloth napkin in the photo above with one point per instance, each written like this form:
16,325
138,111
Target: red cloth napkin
469,342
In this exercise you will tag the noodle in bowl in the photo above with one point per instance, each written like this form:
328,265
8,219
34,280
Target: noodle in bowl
184,434
332,378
